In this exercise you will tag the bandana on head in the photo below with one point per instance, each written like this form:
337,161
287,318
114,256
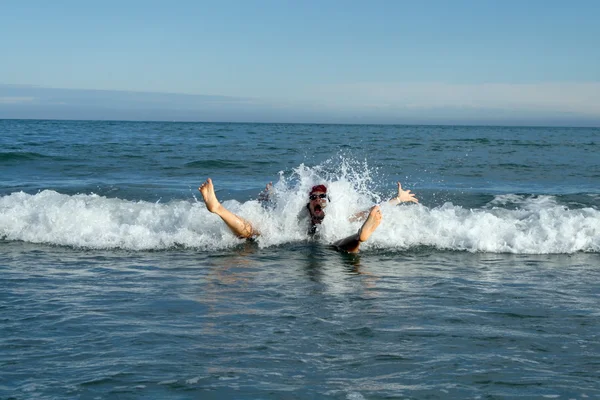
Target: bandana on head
318,188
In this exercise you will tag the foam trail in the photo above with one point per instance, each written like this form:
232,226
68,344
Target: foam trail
508,224
92,221
549,230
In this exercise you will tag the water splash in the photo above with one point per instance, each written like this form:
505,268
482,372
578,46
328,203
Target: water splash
507,224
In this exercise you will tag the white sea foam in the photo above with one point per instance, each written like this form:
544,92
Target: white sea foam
508,224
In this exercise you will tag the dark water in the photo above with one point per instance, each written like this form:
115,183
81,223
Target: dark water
117,283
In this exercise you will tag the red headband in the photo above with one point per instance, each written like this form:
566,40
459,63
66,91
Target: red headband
318,188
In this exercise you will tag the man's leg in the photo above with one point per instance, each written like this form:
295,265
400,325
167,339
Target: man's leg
238,225
351,244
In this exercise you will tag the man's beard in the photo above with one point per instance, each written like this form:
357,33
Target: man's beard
316,214
316,219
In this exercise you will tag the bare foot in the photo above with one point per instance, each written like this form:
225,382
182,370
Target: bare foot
370,224
210,198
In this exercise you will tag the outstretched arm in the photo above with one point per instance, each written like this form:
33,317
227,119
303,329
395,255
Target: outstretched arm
402,197
265,195
238,225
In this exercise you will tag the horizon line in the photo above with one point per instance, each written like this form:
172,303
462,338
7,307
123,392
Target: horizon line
487,125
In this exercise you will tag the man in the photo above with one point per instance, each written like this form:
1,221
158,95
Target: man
316,209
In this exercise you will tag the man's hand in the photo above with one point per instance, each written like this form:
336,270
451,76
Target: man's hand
265,195
404,196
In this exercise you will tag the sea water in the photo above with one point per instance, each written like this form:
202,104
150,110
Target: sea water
116,282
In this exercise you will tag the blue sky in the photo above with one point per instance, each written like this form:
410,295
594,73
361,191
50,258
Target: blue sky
502,62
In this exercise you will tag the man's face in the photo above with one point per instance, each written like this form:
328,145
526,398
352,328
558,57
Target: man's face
316,206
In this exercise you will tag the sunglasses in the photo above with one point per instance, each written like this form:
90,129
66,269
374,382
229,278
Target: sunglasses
320,196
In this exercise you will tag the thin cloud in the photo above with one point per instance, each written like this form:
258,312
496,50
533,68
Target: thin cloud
576,98
565,104
16,99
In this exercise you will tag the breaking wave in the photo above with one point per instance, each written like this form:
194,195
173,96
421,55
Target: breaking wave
520,224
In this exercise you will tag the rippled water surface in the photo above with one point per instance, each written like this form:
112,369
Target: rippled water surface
118,284
298,322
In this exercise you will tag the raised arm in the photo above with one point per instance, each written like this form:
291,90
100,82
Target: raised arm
404,196
265,195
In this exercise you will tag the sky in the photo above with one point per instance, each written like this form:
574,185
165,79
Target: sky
509,62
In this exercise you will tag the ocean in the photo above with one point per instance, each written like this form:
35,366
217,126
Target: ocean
117,283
